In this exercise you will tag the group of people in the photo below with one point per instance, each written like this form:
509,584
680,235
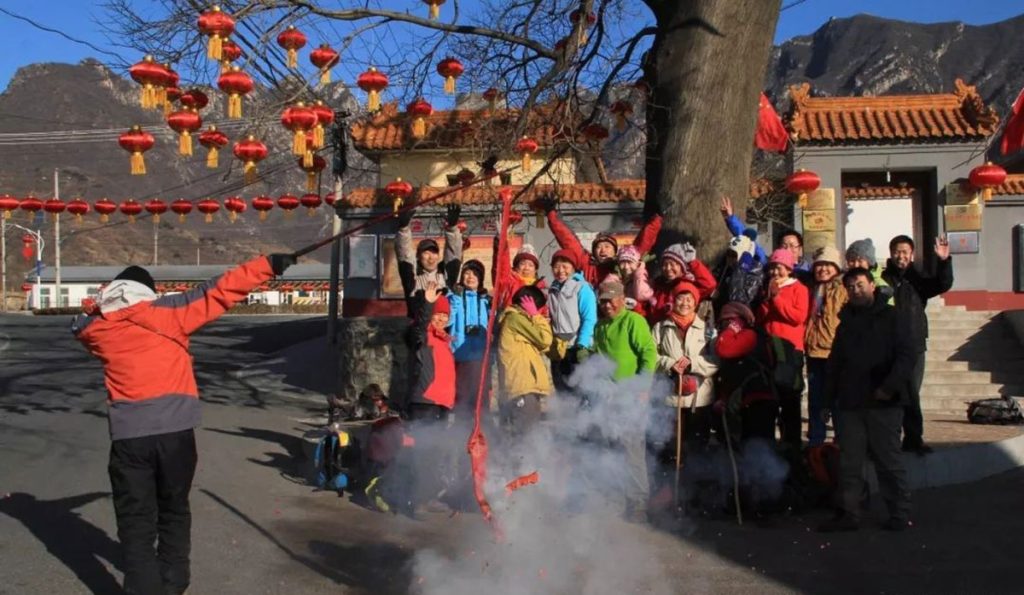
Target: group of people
734,344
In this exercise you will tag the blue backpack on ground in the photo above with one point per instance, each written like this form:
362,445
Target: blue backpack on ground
327,461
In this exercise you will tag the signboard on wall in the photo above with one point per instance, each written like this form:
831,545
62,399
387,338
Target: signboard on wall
821,199
819,220
963,217
963,242
961,194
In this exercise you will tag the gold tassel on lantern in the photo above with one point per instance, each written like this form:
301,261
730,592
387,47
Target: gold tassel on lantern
160,97
215,48
146,97
224,66
318,136
208,218
232,216
234,106
104,218
307,159
168,108
325,76
299,143
181,217
293,58
311,183
419,128
213,158
373,100
802,200
396,205
541,218
435,11
185,144
250,172
138,164
263,215
527,162
449,85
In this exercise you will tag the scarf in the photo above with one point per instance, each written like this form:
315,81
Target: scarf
682,322
441,335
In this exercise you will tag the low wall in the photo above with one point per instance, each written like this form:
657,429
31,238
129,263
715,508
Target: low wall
372,350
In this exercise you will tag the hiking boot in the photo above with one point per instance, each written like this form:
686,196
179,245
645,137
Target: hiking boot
896,525
839,523
918,447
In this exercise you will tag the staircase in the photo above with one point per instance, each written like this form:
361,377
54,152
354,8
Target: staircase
971,355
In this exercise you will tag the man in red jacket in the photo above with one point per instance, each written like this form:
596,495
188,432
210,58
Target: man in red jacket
153,409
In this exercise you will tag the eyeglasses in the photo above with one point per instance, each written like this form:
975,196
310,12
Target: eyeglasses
790,245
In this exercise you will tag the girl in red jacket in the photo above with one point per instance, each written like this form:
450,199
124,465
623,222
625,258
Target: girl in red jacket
783,313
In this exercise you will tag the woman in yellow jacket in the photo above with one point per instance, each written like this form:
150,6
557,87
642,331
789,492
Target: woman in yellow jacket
828,296
523,375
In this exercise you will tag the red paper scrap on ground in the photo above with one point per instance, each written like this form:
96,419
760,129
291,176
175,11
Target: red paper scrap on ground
525,480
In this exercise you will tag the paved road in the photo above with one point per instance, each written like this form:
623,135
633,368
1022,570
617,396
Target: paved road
258,529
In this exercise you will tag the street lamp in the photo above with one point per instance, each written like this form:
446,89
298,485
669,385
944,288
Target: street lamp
38,235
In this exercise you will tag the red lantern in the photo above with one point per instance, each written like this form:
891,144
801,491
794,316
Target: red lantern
54,206
8,204
172,94
986,177
182,207
235,205
574,17
324,58
595,132
156,207
450,69
288,203
31,205
491,96
170,81
399,190
373,82
26,286
622,110
195,99
28,242
229,52
526,147
292,40
137,141
214,140
105,207
313,172
218,26
801,182
263,204
185,123
435,8
300,120
312,202
235,83
329,199
419,111
250,151
78,207
208,207
131,208
324,118
150,75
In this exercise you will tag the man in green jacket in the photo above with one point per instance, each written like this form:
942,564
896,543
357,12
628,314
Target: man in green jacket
624,337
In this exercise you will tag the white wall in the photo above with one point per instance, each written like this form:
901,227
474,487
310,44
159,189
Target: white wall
880,220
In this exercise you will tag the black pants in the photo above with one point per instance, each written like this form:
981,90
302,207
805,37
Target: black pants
790,418
913,419
151,478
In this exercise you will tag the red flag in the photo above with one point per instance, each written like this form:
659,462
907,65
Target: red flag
771,135
1013,133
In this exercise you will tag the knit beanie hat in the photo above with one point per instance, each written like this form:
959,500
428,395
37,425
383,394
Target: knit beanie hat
137,274
477,267
628,254
442,306
674,252
829,254
737,310
686,287
862,249
528,253
784,257
565,255
604,237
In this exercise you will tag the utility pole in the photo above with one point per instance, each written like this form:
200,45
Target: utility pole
156,237
3,263
338,169
56,239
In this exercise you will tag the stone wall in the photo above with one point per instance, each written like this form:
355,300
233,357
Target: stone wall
372,350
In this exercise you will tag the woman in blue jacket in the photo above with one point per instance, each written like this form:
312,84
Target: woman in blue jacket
471,307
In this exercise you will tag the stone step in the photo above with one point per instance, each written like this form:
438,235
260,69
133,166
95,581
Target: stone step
945,314
974,354
968,391
996,332
934,305
985,342
962,323
996,367
932,378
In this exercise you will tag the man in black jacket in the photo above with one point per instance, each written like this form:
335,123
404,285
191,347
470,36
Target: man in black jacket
913,289
868,376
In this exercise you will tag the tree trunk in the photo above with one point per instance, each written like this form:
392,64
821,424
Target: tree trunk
706,70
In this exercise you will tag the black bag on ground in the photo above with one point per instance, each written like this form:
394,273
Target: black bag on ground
1000,411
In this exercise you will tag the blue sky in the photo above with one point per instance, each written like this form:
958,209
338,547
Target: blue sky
22,44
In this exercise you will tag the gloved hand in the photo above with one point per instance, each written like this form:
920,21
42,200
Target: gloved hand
451,215
580,354
528,306
544,203
280,262
689,253
405,218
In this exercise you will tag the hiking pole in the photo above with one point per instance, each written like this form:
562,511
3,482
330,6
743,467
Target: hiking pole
679,437
735,472
321,243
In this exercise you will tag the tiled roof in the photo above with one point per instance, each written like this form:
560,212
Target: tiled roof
617,191
889,119
870,192
1014,184
390,130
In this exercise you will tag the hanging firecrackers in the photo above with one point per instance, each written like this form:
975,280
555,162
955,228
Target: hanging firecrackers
208,207
398,191
150,75
491,96
373,82
574,17
292,40
156,207
78,207
419,111
263,205
235,205
435,8
986,177
218,26
324,118
105,207
8,204
214,140
54,206
137,141
131,208
181,207
313,172
194,99
324,58
31,205
526,147
802,182
451,69
312,202
236,84
622,110
185,122
288,203
250,151
300,120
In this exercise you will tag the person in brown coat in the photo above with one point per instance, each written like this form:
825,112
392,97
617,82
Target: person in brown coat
828,296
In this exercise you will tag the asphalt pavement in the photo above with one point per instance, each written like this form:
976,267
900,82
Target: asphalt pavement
259,528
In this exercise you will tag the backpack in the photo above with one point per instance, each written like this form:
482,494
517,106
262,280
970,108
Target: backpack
999,411
329,460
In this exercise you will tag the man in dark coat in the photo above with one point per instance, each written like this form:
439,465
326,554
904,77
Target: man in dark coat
912,289
868,374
